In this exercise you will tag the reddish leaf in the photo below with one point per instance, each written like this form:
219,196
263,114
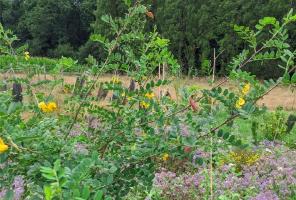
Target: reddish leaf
187,149
150,15
193,104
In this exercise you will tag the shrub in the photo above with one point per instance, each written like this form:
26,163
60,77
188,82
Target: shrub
273,125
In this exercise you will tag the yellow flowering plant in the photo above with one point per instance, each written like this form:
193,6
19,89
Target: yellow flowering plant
115,80
165,157
3,146
246,89
27,55
240,103
149,95
144,104
47,108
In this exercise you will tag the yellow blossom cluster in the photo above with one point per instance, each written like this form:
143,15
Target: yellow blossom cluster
3,146
47,108
244,157
144,104
150,95
115,80
246,89
165,157
241,101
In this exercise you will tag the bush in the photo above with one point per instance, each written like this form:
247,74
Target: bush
17,63
273,125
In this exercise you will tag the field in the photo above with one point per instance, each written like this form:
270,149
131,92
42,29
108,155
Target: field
279,97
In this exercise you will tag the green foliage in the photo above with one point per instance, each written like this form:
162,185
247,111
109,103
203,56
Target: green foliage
273,125
206,67
19,63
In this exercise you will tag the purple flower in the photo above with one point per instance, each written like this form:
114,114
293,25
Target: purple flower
93,122
18,187
272,177
266,195
184,130
2,193
76,130
81,148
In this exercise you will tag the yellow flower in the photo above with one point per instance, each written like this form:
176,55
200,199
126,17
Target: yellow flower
115,80
246,89
244,157
51,106
42,106
240,102
27,55
3,146
165,157
150,95
145,105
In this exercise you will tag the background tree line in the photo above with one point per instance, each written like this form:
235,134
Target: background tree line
56,28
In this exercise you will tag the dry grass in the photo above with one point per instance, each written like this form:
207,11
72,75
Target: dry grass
281,96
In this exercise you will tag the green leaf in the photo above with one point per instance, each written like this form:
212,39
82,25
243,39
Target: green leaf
231,139
128,3
99,195
226,136
97,38
220,133
48,192
13,106
293,79
286,78
225,93
199,161
268,21
85,192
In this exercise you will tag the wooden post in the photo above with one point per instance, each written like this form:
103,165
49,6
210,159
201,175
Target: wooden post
214,66
79,86
290,122
159,77
132,86
17,92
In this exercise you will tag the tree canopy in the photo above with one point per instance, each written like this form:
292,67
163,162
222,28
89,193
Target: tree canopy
56,28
